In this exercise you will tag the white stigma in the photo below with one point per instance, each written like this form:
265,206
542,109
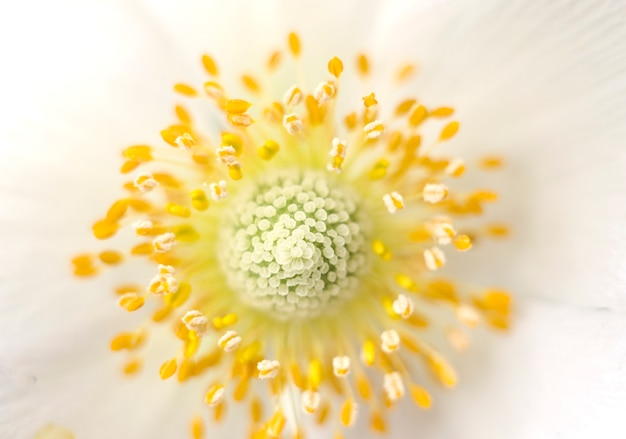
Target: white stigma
293,246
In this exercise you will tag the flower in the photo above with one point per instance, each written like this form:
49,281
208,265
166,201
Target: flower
21,369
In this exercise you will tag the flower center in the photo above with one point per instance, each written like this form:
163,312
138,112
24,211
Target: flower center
293,244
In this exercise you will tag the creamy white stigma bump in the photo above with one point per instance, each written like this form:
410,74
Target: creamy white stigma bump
294,244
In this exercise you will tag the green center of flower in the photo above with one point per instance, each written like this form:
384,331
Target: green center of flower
293,244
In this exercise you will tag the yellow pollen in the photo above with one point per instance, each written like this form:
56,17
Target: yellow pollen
374,130
335,67
209,65
294,44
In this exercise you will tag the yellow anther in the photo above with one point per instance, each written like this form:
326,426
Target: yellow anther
131,302
129,166
442,112
229,341
341,366
185,90
274,60
199,200
421,397
256,410
368,353
316,116
268,369
161,314
277,423
393,386
177,210
377,422
292,123
138,153
237,106
324,92
164,282
104,229
164,242
250,83
110,257
227,320
405,72
209,65
462,243
310,401
380,249
457,339
294,44
370,100
379,170
335,67
174,136
117,211
455,168
268,150
348,412
403,306
240,120
168,368
234,172
177,299
126,340
406,282
338,153
83,265
390,341
132,367
497,230
363,64
215,92
315,373
143,249
351,120
434,258
145,182
215,395
449,131
443,371
218,190
434,193
197,427
484,196
363,387
195,321
374,130
491,162
393,202
405,106
293,96
418,115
